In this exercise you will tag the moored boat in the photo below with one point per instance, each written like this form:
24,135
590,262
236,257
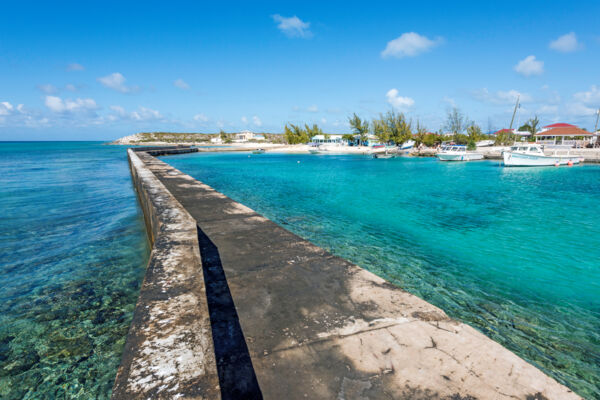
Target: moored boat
457,153
258,151
532,155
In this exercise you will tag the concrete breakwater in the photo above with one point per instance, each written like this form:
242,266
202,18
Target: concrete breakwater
235,306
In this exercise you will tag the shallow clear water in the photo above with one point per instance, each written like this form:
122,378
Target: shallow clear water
513,252
73,251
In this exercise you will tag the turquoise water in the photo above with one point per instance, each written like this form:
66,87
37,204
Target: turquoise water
73,251
513,252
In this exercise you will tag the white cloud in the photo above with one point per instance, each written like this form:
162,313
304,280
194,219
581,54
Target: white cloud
323,120
585,103
220,124
200,117
530,66
116,81
6,108
501,97
293,26
449,100
566,43
140,115
75,67
256,121
244,120
313,108
547,109
580,110
181,84
399,102
58,105
591,97
48,88
70,87
409,44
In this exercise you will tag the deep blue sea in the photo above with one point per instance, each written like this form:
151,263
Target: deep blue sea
514,252
73,251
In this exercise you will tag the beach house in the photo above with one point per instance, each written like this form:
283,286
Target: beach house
563,135
246,136
327,139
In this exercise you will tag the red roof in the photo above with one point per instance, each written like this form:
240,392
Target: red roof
505,130
564,131
560,125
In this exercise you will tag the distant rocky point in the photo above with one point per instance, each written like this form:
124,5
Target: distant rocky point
161,138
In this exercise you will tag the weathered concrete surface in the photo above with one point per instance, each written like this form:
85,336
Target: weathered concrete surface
169,349
317,326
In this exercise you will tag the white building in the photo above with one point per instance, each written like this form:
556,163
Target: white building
216,140
244,136
330,139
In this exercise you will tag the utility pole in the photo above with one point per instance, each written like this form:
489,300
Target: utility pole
514,112
597,117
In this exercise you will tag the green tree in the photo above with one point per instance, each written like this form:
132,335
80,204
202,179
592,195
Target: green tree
360,127
380,130
294,134
349,137
456,121
397,127
534,124
505,137
421,133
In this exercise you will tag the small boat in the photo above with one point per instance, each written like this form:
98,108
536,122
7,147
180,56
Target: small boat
485,143
258,151
384,155
407,145
532,155
318,150
457,153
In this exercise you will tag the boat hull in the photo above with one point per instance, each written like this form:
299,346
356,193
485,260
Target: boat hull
530,160
459,157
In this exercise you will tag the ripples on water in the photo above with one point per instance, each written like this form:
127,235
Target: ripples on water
72,255
513,252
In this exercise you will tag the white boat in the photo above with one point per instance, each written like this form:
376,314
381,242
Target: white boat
457,153
532,155
485,143
407,145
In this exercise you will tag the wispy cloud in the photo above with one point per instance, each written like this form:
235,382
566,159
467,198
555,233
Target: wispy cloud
75,67
181,84
142,114
530,66
500,97
397,101
47,88
409,44
293,26
7,109
200,117
566,43
256,121
585,103
58,105
116,81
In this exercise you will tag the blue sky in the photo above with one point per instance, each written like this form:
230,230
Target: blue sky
84,70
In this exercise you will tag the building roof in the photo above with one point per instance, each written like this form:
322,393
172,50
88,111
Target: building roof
505,130
564,131
559,125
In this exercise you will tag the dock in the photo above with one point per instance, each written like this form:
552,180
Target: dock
234,306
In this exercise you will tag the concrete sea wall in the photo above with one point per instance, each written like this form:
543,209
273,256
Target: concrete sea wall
169,351
235,306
